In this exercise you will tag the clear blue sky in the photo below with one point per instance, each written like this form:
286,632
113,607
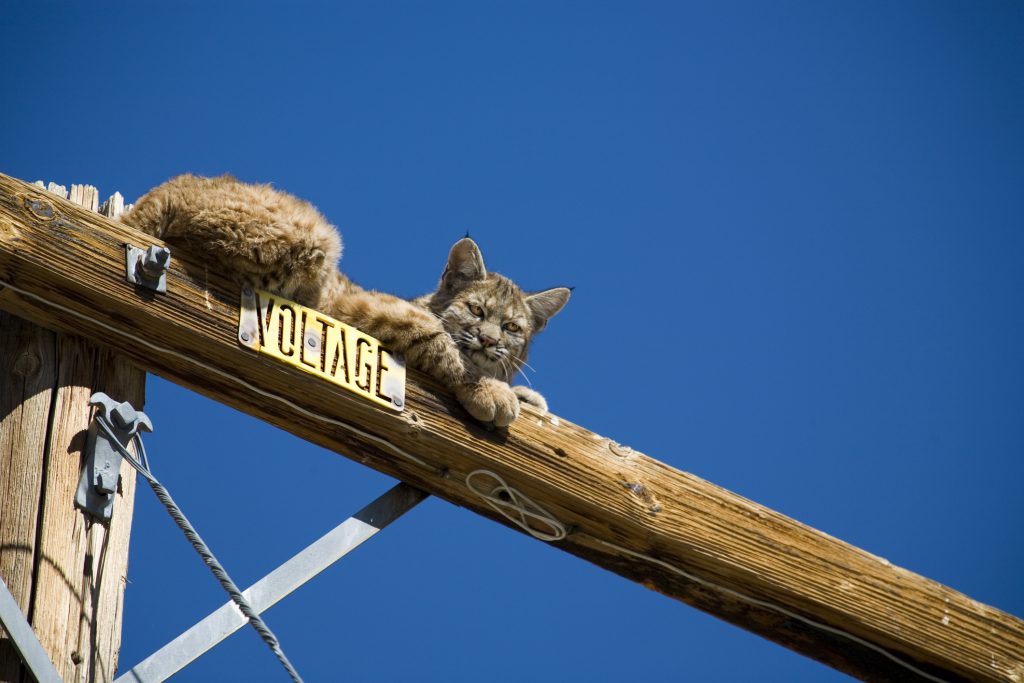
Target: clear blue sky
812,214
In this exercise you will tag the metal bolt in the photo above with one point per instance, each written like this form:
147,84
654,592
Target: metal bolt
124,415
311,341
103,484
397,401
156,261
247,291
245,336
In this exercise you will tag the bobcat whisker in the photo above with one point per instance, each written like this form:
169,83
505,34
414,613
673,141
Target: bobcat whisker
507,368
522,363
520,372
462,339
434,314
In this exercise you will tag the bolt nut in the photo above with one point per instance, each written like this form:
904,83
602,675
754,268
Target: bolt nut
155,261
123,415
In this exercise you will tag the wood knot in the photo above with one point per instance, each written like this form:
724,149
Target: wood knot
39,207
7,230
644,496
413,425
26,365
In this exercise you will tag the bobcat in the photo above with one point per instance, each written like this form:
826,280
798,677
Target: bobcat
472,333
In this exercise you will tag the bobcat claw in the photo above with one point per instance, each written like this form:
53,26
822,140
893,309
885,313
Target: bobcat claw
528,395
489,401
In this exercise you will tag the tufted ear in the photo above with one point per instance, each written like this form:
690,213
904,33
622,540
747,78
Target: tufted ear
465,264
545,304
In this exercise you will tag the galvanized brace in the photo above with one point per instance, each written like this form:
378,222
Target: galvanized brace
276,585
25,641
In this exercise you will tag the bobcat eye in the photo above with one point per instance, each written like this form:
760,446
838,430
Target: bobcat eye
476,310
511,327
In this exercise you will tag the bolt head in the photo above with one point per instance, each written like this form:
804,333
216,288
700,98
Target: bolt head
244,336
124,416
156,260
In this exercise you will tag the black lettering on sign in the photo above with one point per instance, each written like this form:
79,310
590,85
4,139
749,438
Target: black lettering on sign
266,315
339,354
363,346
286,331
336,354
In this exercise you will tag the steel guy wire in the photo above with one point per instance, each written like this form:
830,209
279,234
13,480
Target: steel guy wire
141,464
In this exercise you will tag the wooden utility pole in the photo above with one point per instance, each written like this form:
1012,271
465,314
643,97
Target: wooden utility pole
671,531
66,571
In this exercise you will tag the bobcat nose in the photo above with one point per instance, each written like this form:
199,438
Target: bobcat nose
486,341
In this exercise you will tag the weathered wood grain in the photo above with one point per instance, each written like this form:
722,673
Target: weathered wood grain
624,511
28,371
69,571
83,564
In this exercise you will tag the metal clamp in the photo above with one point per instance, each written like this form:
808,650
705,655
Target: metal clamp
102,468
147,268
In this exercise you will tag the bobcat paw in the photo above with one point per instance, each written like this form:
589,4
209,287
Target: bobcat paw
528,395
489,401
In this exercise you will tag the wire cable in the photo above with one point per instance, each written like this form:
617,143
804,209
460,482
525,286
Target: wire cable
141,464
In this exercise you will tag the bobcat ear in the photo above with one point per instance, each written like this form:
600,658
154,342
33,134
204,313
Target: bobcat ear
545,304
465,264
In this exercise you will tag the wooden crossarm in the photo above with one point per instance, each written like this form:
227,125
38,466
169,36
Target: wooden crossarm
63,268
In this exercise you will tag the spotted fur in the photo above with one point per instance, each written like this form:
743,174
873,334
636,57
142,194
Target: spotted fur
472,333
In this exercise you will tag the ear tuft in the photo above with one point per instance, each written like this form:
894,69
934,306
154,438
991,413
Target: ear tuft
465,264
545,304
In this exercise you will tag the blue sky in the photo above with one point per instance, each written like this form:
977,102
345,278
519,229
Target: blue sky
811,213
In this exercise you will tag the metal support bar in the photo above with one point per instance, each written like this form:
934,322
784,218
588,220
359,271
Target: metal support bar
25,641
276,585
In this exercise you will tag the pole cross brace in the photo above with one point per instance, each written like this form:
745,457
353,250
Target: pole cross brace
276,585
102,468
25,641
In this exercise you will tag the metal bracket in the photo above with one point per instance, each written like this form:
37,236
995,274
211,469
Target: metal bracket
25,641
102,468
147,268
248,320
276,585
